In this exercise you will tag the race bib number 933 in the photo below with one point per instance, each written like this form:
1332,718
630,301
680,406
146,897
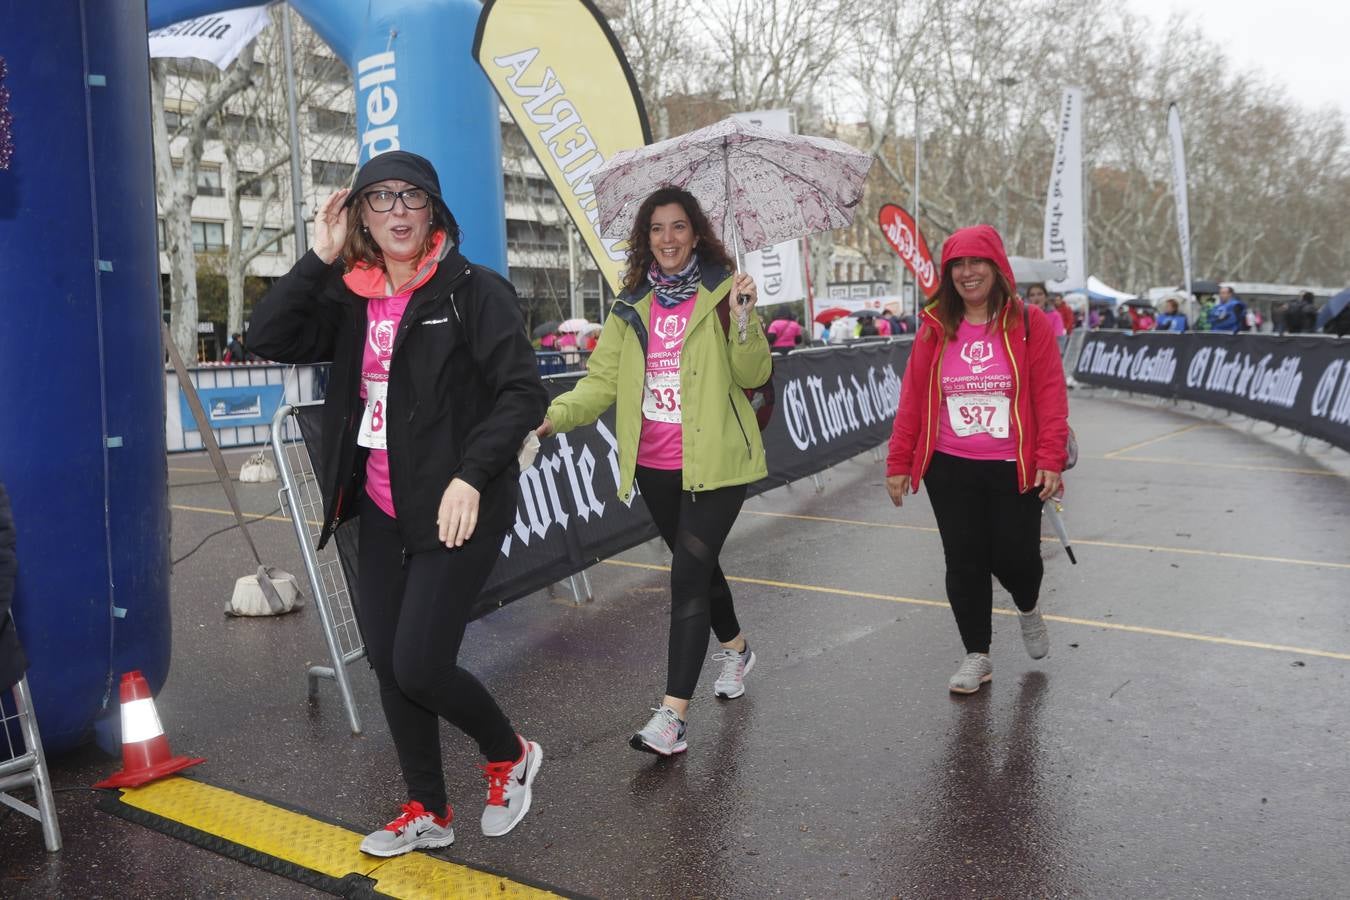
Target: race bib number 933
661,399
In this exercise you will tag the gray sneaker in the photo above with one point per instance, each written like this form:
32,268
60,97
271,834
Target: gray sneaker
663,734
976,669
415,829
1033,633
509,783
735,666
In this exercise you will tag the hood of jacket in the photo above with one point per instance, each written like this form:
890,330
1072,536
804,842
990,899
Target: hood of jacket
369,281
981,241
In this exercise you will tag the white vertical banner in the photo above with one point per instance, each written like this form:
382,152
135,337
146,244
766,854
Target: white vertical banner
1177,148
217,38
1065,238
778,269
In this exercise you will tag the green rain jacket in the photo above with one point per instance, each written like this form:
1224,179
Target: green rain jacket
721,439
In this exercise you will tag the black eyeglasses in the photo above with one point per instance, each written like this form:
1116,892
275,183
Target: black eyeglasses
383,201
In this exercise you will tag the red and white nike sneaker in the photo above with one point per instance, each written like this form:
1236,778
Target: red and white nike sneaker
415,829
509,783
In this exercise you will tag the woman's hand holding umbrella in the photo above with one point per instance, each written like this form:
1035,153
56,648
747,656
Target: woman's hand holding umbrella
747,295
1048,482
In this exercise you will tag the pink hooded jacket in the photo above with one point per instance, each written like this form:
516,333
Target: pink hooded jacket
1040,420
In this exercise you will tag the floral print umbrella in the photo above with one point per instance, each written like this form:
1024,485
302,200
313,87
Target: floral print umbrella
757,187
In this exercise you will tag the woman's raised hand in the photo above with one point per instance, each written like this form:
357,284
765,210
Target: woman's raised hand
330,226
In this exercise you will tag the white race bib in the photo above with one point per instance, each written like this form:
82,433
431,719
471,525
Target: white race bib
661,399
978,414
374,420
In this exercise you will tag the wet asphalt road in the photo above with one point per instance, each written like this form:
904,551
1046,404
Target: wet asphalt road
1152,754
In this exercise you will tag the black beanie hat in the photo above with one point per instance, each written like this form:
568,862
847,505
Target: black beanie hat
401,165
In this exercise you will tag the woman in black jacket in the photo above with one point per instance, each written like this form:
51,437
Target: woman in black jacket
432,389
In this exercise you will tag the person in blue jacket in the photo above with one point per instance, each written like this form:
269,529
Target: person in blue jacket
1229,314
1171,318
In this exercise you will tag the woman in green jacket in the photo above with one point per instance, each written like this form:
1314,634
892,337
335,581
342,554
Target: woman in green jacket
687,434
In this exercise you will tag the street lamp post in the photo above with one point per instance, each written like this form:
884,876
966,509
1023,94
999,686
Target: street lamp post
1004,83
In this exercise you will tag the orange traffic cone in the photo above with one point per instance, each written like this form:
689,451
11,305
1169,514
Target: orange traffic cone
145,749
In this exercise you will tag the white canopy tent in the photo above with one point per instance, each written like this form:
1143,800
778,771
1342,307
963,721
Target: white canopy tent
1098,289
1028,270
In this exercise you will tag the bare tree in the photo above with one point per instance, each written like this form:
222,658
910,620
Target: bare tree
1268,182
255,124
656,41
197,100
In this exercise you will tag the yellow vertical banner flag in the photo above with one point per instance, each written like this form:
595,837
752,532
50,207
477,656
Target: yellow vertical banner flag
561,74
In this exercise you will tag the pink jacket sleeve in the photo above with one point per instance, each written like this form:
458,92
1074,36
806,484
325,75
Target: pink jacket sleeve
908,418
1049,396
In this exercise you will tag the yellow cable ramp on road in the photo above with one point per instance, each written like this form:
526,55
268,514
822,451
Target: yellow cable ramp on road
320,854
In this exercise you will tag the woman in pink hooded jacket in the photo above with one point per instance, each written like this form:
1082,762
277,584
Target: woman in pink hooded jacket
983,422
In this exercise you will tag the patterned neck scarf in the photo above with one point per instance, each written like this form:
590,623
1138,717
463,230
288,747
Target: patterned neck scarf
672,290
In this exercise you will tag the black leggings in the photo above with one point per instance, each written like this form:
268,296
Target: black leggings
412,617
694,527
988,528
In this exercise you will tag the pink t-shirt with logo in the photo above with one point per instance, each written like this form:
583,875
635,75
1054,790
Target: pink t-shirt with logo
975,408
383,315
661,444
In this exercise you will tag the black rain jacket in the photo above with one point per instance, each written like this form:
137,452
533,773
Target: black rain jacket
464,389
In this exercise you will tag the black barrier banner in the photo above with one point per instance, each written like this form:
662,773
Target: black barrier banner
832,405
1301,383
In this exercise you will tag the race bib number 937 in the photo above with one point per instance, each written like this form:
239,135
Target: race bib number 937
972,414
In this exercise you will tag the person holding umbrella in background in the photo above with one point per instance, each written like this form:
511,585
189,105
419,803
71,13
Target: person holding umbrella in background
687,434
983,422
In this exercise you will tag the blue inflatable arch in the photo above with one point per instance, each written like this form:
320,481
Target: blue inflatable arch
82,447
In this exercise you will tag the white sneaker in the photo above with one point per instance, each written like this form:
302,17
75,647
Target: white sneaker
735,666
415,829
1034,635
975,670
509,783
663,734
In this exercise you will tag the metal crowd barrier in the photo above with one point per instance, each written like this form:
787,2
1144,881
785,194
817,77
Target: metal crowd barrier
558,362
25,766
302,501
